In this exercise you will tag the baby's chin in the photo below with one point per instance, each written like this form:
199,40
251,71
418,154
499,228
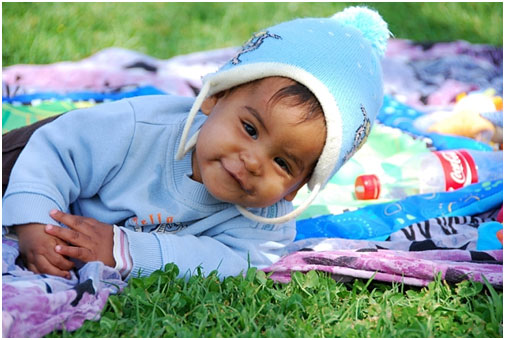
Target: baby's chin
246,202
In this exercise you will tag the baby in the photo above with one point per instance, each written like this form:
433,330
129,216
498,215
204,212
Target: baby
134,192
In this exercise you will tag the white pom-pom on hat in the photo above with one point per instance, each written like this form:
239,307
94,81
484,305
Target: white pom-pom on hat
369,23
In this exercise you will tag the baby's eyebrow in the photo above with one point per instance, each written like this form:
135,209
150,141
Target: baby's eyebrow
257,116
297,161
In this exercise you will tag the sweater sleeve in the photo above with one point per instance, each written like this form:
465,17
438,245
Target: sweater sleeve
230,252
71,157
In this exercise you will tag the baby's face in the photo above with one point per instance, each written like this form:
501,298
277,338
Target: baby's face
253,153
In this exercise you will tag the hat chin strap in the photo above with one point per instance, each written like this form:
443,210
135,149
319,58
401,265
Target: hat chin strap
284,218
183,147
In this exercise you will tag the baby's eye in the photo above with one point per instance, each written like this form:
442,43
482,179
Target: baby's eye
283,164
251,131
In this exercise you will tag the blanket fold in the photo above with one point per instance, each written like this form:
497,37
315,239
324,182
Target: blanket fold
410,268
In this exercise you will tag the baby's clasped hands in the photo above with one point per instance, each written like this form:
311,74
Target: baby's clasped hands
88,239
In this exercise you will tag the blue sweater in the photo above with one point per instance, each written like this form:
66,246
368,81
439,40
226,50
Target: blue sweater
115,162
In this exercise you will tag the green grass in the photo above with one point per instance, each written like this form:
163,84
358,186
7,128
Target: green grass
311,305
39,33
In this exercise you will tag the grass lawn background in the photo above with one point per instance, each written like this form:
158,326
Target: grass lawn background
312,305
39,33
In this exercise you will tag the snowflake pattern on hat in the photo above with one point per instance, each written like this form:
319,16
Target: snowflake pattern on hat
253,43
361,135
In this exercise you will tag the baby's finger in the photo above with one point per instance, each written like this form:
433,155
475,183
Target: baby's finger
72,221
79,253
45,267
71,236
59,261
31,267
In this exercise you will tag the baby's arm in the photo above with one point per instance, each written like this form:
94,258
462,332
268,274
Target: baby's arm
68,159
231,251
37,250
230,247
63,161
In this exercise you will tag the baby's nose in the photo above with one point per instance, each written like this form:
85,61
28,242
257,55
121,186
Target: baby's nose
252,163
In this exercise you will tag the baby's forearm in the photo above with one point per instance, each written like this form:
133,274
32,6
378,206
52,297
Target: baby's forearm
24,230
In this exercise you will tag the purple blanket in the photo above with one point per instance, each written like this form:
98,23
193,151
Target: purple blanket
34,305
115,69
410,268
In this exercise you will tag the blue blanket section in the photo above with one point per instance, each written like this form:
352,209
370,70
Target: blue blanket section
396,114
487,236
378,221
83,95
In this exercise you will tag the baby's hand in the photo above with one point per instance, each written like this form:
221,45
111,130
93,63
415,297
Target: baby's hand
37,251
89,239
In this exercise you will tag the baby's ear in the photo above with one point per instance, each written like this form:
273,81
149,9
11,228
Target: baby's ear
291,196
208,104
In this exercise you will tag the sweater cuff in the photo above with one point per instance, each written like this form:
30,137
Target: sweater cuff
121,252
146,253
23,208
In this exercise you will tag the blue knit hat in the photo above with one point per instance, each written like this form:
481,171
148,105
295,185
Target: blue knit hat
337,59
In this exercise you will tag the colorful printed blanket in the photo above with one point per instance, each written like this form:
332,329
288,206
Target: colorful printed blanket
409,241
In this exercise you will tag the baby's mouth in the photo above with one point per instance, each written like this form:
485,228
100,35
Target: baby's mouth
230,169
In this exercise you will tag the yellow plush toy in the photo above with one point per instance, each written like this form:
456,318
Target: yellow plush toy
466,118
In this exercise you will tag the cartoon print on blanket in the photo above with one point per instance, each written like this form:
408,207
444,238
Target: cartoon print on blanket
378,221
15,116
34,305
455,232
384,144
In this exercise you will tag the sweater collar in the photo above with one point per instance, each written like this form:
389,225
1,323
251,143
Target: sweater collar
192,189
193,192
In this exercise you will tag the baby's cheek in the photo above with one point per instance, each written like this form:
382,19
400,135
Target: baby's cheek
275,191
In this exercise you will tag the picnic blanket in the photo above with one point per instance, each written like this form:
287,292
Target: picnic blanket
407,241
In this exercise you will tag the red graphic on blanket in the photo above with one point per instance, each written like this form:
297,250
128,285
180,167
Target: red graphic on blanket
459,168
